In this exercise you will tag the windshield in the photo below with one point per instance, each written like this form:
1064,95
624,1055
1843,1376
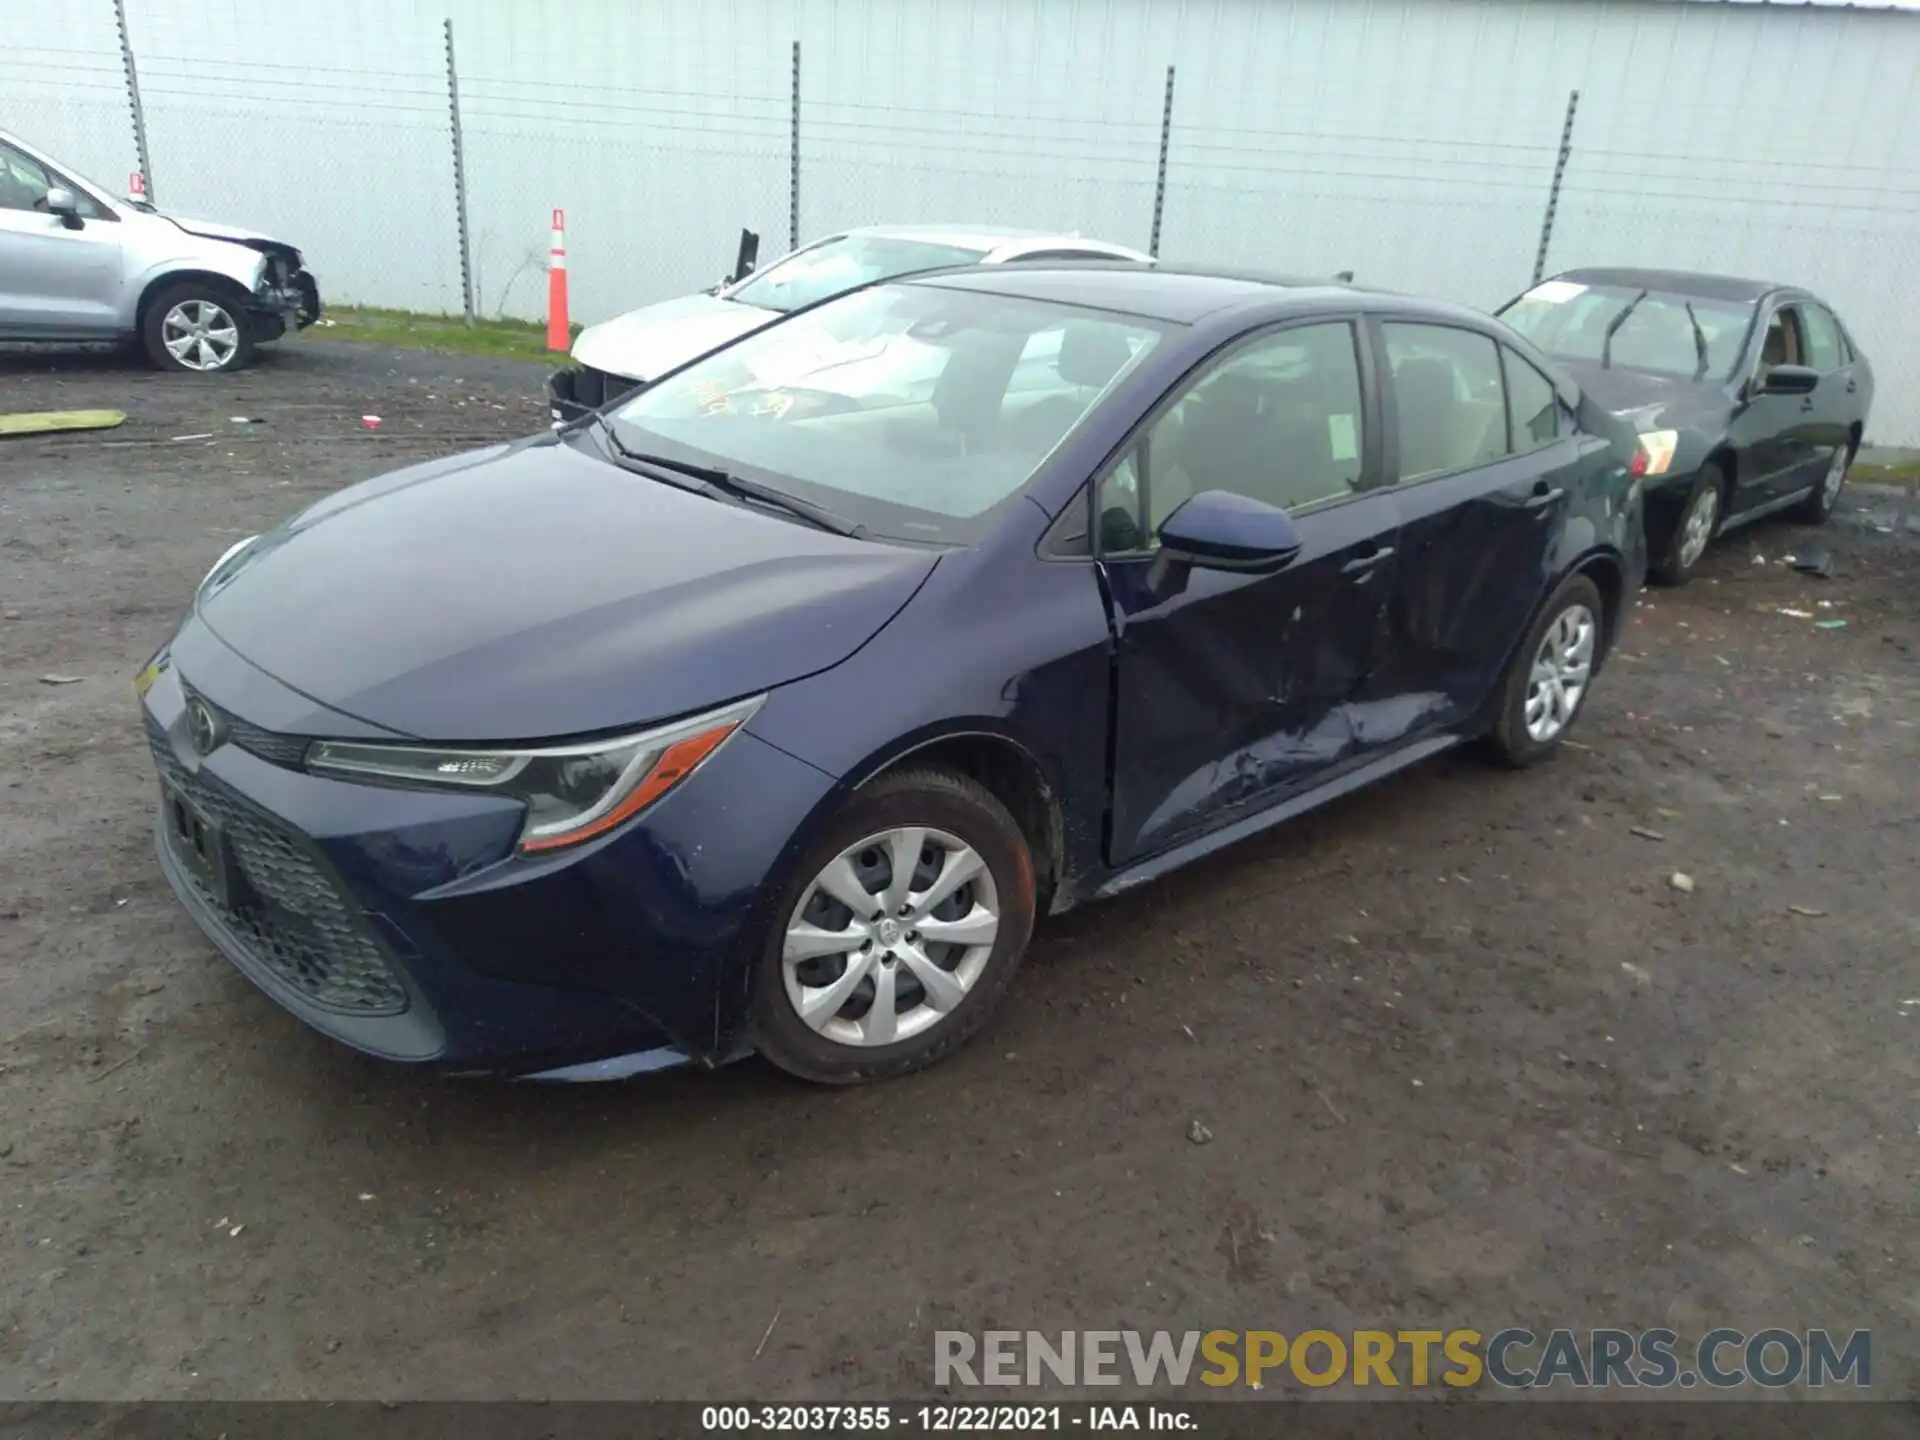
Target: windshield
911,409
1570,321
844,263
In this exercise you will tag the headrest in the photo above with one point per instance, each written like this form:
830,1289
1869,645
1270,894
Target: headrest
1429,381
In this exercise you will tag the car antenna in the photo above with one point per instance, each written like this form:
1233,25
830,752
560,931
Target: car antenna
1699,344
1613,325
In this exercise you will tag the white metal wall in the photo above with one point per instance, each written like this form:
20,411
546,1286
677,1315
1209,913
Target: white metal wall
1409,140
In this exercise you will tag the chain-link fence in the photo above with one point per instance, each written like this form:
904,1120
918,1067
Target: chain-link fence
1419,145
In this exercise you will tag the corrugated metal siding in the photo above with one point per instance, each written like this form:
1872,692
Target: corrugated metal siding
1410,140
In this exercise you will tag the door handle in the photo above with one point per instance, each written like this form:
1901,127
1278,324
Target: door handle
1807,404
1363,564
1852,385
1541,499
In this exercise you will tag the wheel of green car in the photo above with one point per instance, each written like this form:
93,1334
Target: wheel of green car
1817,508
197,326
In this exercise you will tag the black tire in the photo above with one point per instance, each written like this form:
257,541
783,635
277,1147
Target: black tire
1818,507
191,292
939,800
1510,738
1709,487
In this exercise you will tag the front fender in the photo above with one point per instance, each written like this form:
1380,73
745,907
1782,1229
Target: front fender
193,255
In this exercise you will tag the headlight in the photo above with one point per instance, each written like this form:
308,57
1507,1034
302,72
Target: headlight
223,569
572,792
1658,446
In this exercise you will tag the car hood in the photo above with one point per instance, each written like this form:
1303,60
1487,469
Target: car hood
644,344
1649,401
214,230
536,591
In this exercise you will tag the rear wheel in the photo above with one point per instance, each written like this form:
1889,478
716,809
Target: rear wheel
197,326
1817,508
907,921
1699,522
1552,671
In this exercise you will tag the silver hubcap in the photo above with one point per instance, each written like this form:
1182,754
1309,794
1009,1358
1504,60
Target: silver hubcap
1698,527
200,335
890,937
1836,475
1561,668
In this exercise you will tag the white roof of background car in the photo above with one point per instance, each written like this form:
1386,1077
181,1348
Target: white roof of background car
991,238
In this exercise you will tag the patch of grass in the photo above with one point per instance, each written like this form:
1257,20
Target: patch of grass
449,334
1905,474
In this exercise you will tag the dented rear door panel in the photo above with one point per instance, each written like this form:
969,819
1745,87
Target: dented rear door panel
1479,550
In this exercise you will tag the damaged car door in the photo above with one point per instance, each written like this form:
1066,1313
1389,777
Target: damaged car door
1233,687
1485,460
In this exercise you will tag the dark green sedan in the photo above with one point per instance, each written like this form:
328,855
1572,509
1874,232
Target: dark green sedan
1750,398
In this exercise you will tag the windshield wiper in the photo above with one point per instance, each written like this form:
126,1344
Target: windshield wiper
1613,326
714,480
1699,344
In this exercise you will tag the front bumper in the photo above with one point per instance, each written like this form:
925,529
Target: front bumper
580,389
402,923
272,306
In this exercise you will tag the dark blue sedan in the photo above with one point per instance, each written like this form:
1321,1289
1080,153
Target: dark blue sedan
768,710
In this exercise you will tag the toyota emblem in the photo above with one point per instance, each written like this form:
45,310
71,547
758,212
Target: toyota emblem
203,727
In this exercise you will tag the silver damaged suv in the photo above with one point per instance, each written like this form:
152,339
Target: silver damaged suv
78,266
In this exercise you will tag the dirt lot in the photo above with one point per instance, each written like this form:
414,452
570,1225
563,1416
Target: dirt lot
1468,1058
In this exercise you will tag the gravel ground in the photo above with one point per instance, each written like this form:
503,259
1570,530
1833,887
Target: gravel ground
1467,1056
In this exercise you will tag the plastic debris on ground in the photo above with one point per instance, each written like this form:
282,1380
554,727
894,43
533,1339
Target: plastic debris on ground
44,422
1812,562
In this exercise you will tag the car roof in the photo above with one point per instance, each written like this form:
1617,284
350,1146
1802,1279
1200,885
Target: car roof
980,237
1184,295
1679,282
989,238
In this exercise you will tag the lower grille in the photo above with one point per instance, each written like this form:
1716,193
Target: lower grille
290,915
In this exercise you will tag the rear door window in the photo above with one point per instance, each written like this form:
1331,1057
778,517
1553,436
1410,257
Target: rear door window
1533,409
1450,405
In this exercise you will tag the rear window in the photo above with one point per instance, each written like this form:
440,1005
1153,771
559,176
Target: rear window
1662,331
845,263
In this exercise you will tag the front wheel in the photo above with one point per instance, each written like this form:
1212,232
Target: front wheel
1551,673
198,327
1817,508
907,920
1699,519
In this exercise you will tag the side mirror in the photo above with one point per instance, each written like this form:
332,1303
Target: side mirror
1218,530
747,257
60,201
1789,380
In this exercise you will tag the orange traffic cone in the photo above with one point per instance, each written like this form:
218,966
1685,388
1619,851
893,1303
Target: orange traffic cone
559,333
